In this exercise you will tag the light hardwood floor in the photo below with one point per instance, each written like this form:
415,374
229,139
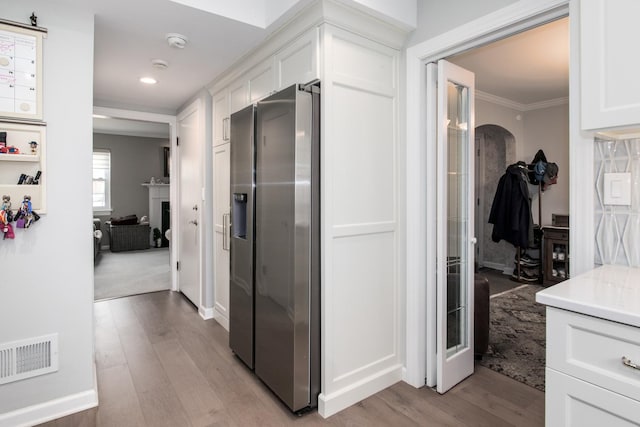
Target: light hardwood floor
160,364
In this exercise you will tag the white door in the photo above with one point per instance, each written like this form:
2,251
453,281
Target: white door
190,196
221,209
454,139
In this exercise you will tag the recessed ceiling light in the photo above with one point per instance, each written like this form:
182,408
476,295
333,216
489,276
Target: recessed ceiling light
148,80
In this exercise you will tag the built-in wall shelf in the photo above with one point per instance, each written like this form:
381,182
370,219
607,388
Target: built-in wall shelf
12,166
19,158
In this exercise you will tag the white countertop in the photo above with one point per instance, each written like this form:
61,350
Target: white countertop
610,292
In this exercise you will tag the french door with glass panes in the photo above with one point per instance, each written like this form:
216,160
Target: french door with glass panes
452,94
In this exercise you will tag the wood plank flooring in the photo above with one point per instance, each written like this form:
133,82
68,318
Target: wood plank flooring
160,364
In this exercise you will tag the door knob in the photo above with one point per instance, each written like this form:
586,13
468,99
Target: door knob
195,207
194,222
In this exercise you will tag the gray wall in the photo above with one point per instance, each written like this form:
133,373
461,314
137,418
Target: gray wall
437,16
548,129
47,270
134,160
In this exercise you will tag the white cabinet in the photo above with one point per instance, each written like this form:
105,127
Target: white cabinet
572,402
587,383
298,62
261,80
221,118
27,163
610,84
221,209
238,95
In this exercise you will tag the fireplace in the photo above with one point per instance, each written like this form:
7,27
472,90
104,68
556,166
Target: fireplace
159,210
166,222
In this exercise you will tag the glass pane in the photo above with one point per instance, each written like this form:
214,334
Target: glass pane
457,217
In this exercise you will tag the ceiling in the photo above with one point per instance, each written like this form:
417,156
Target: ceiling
527,68
129,34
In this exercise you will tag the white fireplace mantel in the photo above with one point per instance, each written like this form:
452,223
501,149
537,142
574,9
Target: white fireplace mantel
158,193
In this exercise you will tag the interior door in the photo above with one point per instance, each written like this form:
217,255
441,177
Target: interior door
221,220
190,186
455,224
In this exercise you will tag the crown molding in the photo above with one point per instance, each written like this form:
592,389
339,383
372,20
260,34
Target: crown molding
514,105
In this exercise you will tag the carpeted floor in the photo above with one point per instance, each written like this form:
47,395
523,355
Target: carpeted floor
118,274
517,336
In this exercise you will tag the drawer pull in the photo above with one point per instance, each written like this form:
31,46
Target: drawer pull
629,363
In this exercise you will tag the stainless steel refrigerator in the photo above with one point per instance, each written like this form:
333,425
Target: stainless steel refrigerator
275,323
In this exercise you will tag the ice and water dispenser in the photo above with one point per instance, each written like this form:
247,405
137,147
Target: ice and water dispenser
239,219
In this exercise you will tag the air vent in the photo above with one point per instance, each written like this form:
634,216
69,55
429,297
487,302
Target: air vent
28,358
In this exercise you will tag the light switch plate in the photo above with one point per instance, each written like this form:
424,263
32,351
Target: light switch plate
617,189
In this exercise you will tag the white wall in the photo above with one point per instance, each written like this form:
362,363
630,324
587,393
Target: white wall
436,17
47,271
548,129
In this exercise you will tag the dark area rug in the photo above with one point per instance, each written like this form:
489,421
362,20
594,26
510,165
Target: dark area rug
517,336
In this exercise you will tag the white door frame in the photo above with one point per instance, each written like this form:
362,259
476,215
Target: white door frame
421,167
118,113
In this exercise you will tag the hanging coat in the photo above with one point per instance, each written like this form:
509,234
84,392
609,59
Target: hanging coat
511,208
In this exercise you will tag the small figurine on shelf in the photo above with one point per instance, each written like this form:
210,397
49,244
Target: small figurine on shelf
34,147
157,237
26,215
6,216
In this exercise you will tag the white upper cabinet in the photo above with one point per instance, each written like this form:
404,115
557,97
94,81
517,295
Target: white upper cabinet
609,66
261,80
221,118
298,62
238,95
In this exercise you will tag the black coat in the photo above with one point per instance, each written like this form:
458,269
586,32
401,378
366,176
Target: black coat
511,208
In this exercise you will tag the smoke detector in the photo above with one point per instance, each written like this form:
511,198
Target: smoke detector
177,40
159,64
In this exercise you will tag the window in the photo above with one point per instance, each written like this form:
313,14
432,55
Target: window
101,181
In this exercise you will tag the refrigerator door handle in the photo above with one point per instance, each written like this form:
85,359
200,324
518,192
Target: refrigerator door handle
226,226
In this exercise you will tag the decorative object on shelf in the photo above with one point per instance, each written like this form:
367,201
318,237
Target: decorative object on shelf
34,147
157,237
34,19
3,139
9,150
152,180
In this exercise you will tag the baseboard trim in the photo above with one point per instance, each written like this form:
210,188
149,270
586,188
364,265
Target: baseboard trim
206,312
329,404
221,319
53,409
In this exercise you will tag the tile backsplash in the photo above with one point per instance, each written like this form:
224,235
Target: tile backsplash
617,227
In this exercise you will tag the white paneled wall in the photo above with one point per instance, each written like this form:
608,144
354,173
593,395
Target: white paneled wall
361,292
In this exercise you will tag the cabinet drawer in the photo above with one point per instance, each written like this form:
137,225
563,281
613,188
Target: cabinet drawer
591,349
571,402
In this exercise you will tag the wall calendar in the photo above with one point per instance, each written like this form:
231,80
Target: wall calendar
20,71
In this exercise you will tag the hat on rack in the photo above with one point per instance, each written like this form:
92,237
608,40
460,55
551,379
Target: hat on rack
550,174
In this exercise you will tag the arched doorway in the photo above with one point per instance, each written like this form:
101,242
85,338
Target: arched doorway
495,150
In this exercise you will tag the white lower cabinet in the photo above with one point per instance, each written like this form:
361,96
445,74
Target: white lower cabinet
587,383
575,403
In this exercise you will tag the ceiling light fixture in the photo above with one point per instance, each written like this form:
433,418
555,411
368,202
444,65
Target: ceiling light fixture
176,40
148,80
159,64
